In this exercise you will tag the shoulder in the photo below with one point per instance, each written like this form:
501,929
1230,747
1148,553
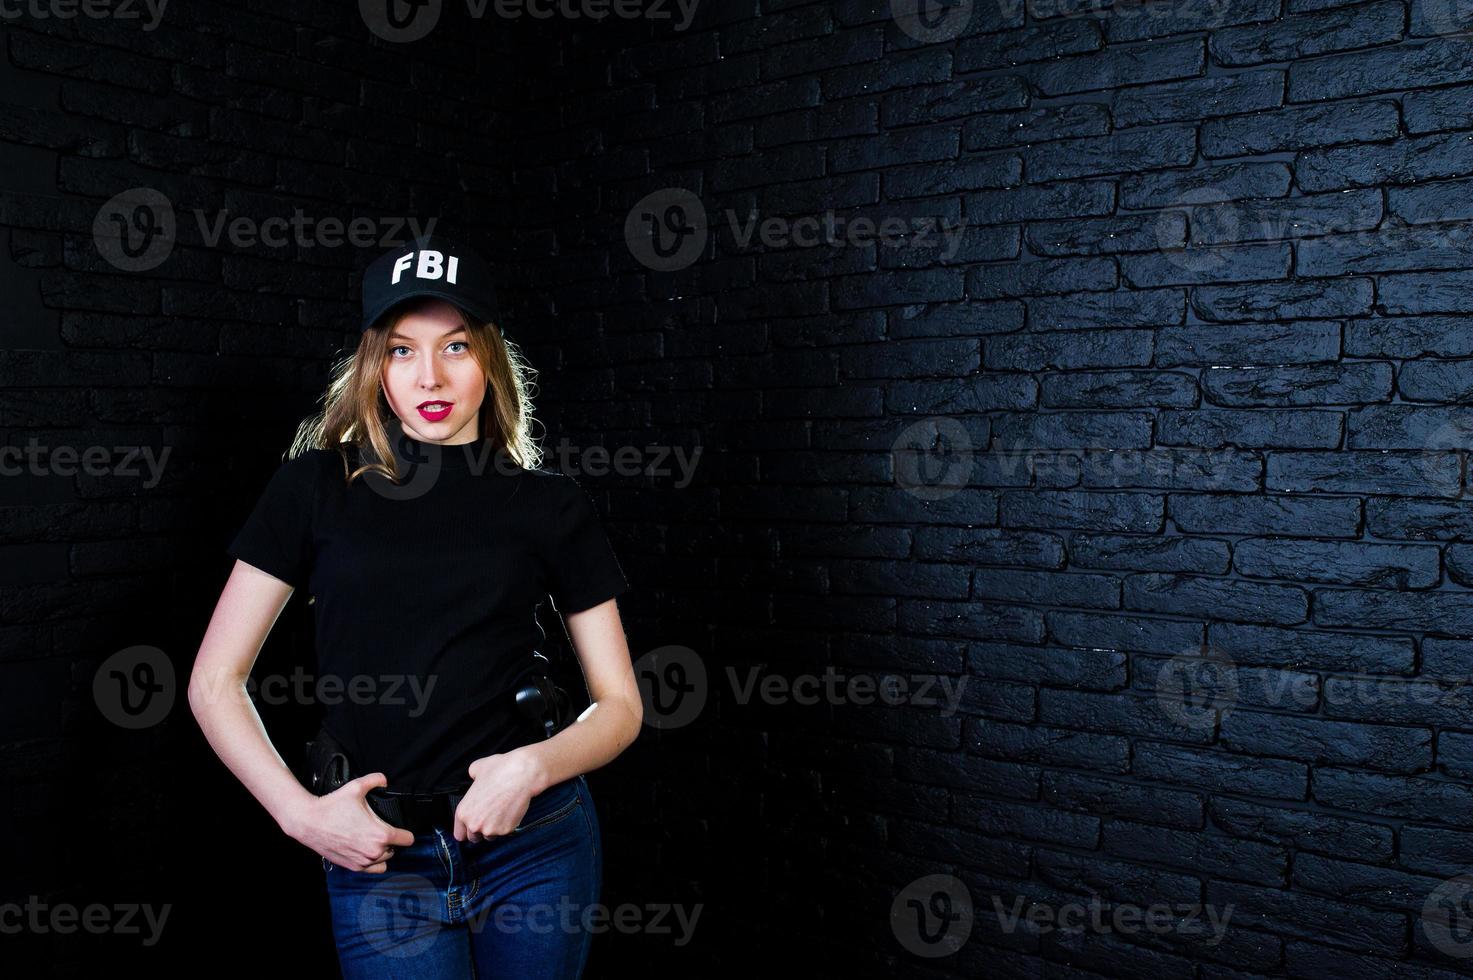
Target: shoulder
309,468
553,482
549,478
560,492
316,461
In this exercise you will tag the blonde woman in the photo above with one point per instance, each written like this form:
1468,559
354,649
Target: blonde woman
463,840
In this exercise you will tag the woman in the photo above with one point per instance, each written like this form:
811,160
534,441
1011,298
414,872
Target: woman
413,509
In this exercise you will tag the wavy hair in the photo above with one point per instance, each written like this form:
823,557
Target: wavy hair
355,412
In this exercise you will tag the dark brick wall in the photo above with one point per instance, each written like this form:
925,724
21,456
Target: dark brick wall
1161,460
1195,367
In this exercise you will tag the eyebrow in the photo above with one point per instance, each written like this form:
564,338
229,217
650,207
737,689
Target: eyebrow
448,333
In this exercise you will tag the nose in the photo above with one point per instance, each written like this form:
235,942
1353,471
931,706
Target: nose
429,373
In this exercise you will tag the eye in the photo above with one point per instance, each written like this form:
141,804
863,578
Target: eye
394,350
458,343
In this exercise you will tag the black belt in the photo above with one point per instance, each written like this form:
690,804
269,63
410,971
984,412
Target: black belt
418,813
325,764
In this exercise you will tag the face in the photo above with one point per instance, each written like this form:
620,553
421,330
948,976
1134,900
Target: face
432,382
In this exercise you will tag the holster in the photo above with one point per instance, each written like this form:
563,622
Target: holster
326,765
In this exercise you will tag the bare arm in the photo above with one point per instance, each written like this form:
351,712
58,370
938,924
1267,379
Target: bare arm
611,722
249,606
339,826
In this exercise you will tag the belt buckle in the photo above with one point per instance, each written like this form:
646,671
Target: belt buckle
420,811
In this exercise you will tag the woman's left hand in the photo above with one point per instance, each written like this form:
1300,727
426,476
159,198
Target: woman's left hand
502,788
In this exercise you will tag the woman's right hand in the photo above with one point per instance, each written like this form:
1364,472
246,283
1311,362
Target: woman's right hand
341,827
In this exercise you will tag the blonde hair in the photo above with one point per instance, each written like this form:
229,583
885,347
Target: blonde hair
355,411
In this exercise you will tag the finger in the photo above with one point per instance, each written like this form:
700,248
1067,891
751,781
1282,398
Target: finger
363,784
376,869
398,836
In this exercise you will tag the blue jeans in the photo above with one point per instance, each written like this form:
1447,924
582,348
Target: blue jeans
518,905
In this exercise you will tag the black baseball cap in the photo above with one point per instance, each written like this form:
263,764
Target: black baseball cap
430,265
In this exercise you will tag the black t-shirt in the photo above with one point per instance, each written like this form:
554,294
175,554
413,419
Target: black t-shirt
425,595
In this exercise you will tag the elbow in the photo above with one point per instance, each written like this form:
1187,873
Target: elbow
636,713
206,688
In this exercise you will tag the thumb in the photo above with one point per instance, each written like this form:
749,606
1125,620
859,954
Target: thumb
363,784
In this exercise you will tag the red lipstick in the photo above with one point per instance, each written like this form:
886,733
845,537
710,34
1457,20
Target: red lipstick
434,410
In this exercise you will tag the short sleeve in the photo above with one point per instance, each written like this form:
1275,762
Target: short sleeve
582,568
277,536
